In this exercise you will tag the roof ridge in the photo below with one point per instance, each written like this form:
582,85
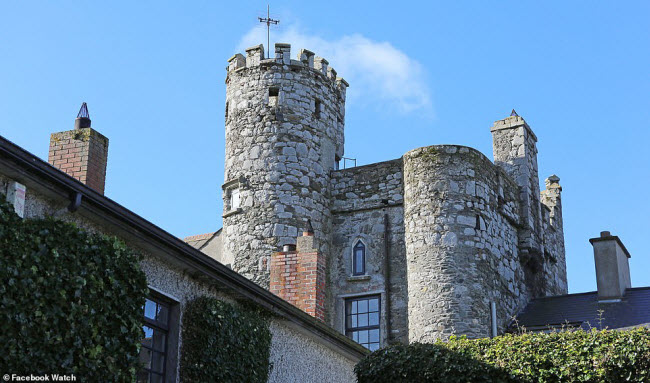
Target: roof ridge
198,237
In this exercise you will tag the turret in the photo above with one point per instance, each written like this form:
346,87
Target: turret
515,150
284,133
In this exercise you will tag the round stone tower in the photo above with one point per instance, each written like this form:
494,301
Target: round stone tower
284,133
461,247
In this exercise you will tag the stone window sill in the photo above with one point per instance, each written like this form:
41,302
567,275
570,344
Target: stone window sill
232,212
358,278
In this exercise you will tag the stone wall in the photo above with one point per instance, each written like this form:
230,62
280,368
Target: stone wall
553,229
515,150
284,133
460,214
367,203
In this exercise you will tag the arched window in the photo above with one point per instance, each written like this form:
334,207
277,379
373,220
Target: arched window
359,259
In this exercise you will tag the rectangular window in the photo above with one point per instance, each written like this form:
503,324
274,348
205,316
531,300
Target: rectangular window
362,321
153,353
235,200
274,94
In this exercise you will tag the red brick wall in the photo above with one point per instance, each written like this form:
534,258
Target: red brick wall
299,278
82,154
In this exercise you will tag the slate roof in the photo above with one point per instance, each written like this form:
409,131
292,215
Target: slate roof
582,310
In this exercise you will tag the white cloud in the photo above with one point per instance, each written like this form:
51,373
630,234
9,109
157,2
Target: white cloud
378,73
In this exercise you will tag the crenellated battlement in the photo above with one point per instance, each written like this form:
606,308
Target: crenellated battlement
306,60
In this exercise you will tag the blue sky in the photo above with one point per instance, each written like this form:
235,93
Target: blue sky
420,73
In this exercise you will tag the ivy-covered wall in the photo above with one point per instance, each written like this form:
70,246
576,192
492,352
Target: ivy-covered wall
224,343
71,302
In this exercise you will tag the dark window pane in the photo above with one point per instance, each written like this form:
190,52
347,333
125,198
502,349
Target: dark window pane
161,314
373,319
363,306
155,378
150,309
374,335
373,304
159,340
157,361
145,357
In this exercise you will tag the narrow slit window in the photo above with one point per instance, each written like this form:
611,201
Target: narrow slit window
274,94
317,108
359,259
227,110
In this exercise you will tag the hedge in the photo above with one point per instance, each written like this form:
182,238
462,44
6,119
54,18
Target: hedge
571,356
224,343
70,302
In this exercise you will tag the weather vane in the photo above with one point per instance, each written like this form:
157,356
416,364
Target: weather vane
268,20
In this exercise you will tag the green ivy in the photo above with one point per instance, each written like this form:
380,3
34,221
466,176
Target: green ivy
571,356
224,343
70,301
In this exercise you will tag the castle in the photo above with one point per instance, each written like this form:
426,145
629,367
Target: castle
441,241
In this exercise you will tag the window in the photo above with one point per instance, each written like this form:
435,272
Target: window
317,108
362,321
359,259
153,353
274,93
235,200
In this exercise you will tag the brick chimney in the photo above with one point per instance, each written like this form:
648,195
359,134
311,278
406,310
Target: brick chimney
612,267
298,275
82,152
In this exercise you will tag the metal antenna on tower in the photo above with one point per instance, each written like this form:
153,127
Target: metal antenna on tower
268,20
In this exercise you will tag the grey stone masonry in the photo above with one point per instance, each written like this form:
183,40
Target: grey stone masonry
553,235
515,150
367,206
284,133
446,232
460,213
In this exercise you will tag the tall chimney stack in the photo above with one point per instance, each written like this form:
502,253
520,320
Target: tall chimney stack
612,267
82,152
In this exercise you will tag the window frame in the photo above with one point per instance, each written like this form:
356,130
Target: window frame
171,331
347,324
359,244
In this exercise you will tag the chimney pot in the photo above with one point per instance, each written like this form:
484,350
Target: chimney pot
288,247
604,234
